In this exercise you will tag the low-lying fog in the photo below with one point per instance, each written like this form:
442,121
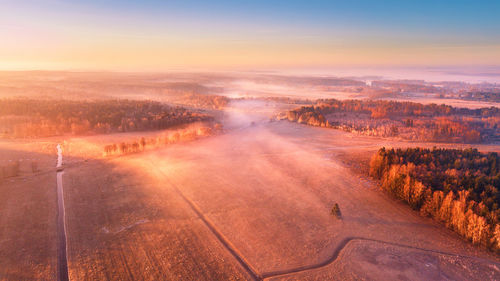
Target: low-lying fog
260,190
339,83
268,188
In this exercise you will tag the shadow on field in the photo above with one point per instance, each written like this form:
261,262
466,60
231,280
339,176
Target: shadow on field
28,204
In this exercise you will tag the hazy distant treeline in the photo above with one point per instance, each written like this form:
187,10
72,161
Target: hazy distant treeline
22,118
407,120
481,96
405,86
456,90
459,188
206,101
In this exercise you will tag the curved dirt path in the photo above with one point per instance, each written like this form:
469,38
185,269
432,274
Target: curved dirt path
298,158
344,243
255,275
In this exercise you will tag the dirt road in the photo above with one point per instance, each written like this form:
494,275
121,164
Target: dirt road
62,260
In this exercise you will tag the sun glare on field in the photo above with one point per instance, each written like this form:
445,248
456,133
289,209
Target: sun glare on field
249,140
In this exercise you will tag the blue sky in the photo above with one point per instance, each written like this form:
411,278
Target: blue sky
250,27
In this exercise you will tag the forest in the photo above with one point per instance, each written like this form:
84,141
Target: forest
481,96
205,101
30,118
459,188
405,86
406,120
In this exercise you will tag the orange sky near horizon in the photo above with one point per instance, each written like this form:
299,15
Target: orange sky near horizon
128,55
77,35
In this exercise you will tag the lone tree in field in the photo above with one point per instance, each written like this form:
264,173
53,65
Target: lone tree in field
336,211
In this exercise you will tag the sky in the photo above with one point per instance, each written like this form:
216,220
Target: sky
152,35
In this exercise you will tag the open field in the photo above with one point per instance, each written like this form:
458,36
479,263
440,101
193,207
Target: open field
364,259
28,211
251,203
249,140
123,227
28,208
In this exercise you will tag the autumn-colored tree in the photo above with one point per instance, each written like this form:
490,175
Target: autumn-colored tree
455,187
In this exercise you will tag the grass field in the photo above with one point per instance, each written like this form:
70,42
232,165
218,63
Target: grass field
28,209
252,203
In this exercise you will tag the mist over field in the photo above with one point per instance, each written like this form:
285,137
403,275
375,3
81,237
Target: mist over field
241,176
249,140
